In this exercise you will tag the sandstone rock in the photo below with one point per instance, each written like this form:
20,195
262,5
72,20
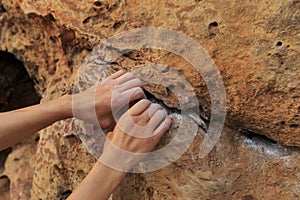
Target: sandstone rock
257,57
254,44
238,168
4,185
19,168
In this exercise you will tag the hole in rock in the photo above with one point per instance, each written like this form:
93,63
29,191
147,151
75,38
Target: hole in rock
213,25
80,173
2,9
65,195
282,123
97,3
118,24
252,135
86,20
294,126
279,44
37,138
150,191
212,28
248,197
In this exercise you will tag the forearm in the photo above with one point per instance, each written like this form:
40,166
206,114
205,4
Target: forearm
18,124
98,184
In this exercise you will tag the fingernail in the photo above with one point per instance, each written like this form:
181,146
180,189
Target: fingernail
163,112
145,101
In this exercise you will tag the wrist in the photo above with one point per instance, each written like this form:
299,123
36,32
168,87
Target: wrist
115,176
65,106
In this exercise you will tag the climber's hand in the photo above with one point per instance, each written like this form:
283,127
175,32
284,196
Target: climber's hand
137,131
144,119
107,98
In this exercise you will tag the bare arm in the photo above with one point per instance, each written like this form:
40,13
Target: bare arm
18,124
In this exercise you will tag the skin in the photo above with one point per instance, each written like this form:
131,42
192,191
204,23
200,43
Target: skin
146,119
102,179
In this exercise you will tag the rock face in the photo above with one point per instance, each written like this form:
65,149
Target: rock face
242,169
16,91
255,46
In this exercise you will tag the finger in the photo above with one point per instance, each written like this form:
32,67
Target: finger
154,108
125,77
117,74
147,114
130,84
139,107
134,94
162,128
156,119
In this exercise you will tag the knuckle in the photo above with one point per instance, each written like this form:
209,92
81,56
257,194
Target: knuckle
157,106
139,91
139,81
130,74
135,119
161,112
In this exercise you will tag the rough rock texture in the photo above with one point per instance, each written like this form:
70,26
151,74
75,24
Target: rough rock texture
16,91
242,169
255,45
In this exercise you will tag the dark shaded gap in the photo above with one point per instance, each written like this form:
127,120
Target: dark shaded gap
64,195
2,9
251,135
3,155
16,88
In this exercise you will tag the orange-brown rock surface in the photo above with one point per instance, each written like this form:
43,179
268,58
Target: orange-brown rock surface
255,45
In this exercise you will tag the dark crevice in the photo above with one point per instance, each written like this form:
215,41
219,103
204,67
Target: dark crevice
213,25
248,197
64,195
118,24
97,4
86,20
3,156
202,121
2,9
279,43
153,99
252,135
16,88
247,133
266,140
213,29
294,126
